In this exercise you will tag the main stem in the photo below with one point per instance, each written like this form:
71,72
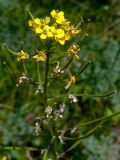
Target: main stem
46,99
54,134
46,78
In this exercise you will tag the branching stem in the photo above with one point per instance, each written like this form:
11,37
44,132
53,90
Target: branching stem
46,77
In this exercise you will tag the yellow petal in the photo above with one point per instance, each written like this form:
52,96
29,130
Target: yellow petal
30,22
60,20
61,42
60,33
49,34
53,13
52,28
38,30
46,28
47,20
43,36
61,13
37,21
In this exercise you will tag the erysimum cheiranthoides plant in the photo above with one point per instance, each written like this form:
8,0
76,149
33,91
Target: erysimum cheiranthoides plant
55,82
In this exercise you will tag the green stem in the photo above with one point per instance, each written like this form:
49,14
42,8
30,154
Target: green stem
67,64
98,119
85,94
86,135
9,70
10,50
46,78
38,72
55,149
84,67
46,152
24,67
19,148
30,14
97,95
54,134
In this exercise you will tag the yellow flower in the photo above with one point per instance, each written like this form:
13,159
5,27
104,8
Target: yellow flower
75,31
35,23
22,55
73,50
53,13
60,36
70,81
46,20
39,24
41,56
66,25
30,22
70,30
59,33
53,29
46,32
38,30
58,16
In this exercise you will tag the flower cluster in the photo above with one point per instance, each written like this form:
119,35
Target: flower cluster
55,27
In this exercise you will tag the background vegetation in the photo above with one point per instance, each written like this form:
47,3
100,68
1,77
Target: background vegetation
19,105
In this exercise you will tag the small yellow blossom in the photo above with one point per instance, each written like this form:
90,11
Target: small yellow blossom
46,20
30,22
60,36
46,32
35,23
41,56
58,16
52,29
72,31
70,81
38,30
59,33
22,55
66,25
39,24
73,50
75,31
